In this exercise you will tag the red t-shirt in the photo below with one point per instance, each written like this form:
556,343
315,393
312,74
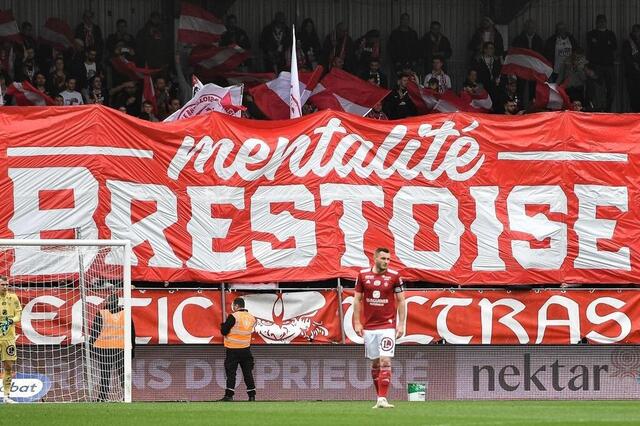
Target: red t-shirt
378,298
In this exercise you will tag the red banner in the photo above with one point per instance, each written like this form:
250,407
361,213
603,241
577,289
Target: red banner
514,317
460,317
461,198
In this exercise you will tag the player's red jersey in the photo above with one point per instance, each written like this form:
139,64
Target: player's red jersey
378,298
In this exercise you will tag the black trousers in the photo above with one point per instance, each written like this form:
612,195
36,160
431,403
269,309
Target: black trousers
108,360
244,358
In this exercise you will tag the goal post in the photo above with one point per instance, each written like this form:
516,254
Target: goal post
76,301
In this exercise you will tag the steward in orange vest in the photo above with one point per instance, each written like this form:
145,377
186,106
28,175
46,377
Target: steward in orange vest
237,331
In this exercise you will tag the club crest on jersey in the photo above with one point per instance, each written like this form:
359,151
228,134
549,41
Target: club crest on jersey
376,294
377,283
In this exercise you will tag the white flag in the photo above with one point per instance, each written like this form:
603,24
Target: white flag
211,97
295,104
197,85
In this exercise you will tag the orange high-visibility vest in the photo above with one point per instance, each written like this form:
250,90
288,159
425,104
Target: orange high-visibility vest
112,333
240,334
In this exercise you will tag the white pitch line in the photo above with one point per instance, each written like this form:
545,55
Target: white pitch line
34,151
563,156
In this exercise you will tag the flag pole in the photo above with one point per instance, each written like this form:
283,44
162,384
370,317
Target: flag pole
295,105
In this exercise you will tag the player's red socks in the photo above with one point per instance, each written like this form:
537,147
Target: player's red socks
384,379
375,372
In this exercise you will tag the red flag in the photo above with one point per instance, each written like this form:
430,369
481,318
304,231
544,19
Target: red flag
346,92
215,60
27,95
249,79
57,34
149,93
480,101
551,96
527,64
9,27
197,26
424,99
130,70
272,98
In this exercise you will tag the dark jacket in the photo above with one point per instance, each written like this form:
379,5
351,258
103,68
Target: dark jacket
430,48
601,47
537,44
153,47
235,36
631,59
404,46
91,38
475,45
399,106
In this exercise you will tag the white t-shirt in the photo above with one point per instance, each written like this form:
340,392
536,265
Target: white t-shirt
71,98
444,81
563,51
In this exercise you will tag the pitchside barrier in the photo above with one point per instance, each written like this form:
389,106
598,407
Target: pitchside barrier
461,344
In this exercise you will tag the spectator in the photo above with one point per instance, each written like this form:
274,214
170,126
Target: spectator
432,85
339,45
444,81
58,77
26,32
631,59
88,68
510,107
595,90
153,44
7,59
376,113
576,106
488,67
174,105
403,45
435,44
299,56
274,40
90,33
234,34
162,98
367,49
147,112
40,83
95,93
26,67
310,43
508,94
59,100
601,48
558,49
122,39
398,104
486,33
70,95
529,38
126,95
572,76
374,74
472,80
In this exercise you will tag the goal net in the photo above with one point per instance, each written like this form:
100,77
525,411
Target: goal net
73,342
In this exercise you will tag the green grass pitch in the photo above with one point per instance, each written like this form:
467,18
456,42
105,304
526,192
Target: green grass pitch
326,413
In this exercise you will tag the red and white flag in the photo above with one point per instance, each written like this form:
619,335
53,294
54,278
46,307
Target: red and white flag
227,100
57,34
295,102
9,27
423,98
129,69
477,102
212,60
149,93
196,85
197,26
273,98
249,79
527,64
342,91
26,95
551,96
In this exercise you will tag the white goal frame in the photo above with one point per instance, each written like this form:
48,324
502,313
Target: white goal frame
126,287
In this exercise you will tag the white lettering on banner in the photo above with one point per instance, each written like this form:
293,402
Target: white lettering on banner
620,317
486,321
77,336
295,151
539,226
422,339
591,229
283,226
441,322
29,220
151,228
203,228
29,315
163,321
572,321
487,228
178,323
352,222
405,228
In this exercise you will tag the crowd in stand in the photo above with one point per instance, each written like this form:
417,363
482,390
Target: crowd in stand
84,74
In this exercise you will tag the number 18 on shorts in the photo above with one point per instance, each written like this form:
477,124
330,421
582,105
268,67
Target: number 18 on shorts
379,343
